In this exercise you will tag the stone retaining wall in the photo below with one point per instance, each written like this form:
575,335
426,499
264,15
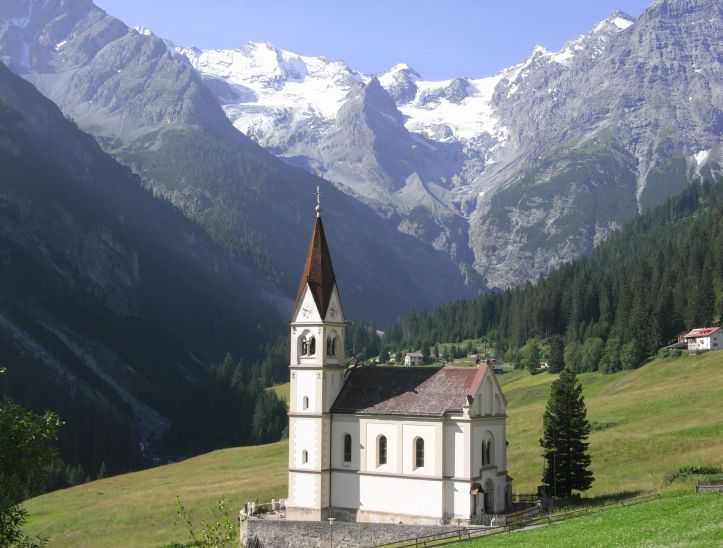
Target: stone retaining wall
258,533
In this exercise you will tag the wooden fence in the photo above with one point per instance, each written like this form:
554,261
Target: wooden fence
709,486
460,535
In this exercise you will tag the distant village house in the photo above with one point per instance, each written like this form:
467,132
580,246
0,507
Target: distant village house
413,358
705,338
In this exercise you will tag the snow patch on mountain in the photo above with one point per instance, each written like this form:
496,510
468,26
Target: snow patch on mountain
274,86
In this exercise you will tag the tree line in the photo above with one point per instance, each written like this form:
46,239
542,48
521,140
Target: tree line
659,275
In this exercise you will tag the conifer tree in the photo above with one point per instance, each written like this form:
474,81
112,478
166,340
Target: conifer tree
557,356
564,441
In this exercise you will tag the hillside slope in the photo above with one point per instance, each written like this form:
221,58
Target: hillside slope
646,423
113,305
152,111
518,171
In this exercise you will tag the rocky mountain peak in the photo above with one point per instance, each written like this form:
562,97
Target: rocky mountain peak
400,81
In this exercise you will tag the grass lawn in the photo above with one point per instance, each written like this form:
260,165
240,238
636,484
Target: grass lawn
138,509
688,520
646,423
282,391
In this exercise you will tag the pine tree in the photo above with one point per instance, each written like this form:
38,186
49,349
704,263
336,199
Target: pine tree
557,357
564,441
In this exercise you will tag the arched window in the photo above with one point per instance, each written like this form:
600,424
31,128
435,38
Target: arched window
484,453
331,346
490,455
312,346
306,403
304,456
381,450
304,347
419,453
347,447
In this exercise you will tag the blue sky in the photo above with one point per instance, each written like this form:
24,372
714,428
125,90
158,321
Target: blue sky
441,39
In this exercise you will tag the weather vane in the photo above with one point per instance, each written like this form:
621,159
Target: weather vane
318,201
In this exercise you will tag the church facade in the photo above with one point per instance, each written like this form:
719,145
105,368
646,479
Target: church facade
422,445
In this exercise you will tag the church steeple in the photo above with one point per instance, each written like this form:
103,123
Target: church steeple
317,372
318,273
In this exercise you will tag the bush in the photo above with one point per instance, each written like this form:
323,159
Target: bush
686,471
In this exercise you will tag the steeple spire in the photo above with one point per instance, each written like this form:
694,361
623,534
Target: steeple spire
318,271
318,201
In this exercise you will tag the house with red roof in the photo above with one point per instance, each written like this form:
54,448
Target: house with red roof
413,445
705,338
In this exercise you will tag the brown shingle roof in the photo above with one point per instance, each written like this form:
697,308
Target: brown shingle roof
411,391
318,271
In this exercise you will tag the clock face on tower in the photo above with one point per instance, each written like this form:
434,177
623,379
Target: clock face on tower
333,311
305,312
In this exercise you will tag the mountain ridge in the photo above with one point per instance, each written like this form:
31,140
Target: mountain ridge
603,81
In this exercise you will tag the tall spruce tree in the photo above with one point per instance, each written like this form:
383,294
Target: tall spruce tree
557,356
564,441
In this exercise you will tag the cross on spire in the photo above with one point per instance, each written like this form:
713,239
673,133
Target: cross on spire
318,201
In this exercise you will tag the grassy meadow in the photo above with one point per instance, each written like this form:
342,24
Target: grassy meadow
646,424
138,509
687,520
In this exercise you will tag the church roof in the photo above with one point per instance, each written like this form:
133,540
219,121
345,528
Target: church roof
318,271
410,391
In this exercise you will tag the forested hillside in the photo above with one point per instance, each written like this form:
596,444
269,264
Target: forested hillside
660,274
114,306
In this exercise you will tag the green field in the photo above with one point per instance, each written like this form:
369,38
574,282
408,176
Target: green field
688,520
646,422
282,391
138,509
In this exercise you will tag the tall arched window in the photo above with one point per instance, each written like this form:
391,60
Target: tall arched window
347,447
304,347
484,453
381,450
418,453
306,403
304,456
489,452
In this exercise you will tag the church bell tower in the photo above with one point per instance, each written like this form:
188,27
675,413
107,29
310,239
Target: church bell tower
317,373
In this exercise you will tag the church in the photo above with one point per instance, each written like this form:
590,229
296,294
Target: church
413,445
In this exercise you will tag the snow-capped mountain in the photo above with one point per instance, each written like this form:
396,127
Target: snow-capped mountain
495,167
265,90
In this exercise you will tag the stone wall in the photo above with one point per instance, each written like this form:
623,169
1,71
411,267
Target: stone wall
258,533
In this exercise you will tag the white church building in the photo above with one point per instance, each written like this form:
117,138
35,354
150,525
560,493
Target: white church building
422,445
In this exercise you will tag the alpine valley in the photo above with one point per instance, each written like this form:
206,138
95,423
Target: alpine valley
513,173
155,200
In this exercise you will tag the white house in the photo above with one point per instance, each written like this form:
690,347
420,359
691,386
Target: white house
413,359
385,444
705,338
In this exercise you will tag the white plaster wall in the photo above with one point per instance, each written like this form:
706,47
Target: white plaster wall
461,451
345,489
450,453
346,424
306,436
304,384
392,430
332,386
480,429
305,489
307,312
401,496
428,432
461,498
